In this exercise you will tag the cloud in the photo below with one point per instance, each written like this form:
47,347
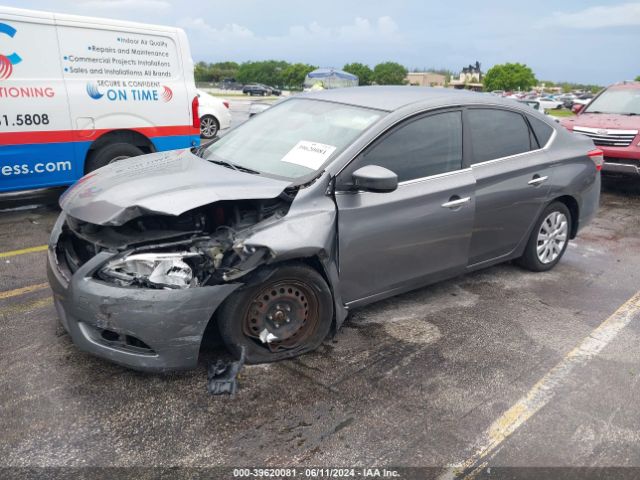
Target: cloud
310,42
623,15
115,5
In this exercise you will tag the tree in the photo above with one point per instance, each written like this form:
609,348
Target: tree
509,76
360,70
389,73
269,72
293,75
638,78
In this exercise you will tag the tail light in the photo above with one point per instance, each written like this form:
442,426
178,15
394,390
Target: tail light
598,158
195,112
226,104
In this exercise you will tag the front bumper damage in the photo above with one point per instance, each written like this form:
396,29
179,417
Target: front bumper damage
143,329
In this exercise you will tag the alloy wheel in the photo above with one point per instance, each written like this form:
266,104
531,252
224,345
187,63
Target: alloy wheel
552,237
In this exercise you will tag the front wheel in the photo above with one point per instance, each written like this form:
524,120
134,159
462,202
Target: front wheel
287,314
549,239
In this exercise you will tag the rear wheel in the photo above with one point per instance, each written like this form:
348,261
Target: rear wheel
284,316
109,154
549,239
209,126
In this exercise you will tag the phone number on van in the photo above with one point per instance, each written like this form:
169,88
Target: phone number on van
24,119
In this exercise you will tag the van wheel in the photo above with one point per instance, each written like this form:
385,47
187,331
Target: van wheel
282,312
548,240
109,154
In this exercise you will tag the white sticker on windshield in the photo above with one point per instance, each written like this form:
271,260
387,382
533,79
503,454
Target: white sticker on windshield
309,154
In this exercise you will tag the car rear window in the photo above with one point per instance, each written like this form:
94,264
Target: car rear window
497,134
541,130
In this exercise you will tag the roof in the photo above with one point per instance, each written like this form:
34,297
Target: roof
329,72
392,98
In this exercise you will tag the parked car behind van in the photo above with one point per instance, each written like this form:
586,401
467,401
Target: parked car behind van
78,93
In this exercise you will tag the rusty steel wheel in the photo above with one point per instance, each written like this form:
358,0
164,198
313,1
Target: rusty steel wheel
282,312
282,316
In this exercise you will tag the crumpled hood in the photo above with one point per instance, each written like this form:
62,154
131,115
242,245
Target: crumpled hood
168,183
603,120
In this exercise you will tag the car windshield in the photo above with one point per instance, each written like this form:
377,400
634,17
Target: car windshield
294,138
623,102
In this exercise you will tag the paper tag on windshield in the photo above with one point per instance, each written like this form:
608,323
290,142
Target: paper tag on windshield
309,154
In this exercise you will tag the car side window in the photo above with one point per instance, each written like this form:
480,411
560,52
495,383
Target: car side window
418,148
497,133
541,129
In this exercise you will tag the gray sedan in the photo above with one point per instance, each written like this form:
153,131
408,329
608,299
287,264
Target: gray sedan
323,203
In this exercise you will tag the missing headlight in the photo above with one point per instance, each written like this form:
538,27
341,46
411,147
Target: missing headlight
155,270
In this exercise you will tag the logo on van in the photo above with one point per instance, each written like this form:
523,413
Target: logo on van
8,61
93,92
167,93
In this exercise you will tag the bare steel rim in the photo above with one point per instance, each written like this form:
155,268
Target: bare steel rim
282,316
552,237
208,126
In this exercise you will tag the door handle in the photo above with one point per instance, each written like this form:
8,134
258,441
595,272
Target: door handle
537,180
455,202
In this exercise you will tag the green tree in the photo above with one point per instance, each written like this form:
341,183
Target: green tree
638,78
509,76
360,70
389,73
201,72
221,70
293,75
269,72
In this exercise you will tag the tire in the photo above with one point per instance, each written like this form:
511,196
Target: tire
290,291
209,126
110,153
556,217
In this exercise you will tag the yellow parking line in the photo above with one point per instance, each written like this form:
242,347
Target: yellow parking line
13,253
21,291
13,310
543,391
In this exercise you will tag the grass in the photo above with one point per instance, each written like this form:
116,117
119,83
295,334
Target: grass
561,113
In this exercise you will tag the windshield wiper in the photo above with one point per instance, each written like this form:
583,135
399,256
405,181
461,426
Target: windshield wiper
630,114
233,166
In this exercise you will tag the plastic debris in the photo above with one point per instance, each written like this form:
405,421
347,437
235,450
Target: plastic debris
222,375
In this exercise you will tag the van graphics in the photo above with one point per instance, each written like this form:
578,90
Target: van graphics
8,61
123,91
121,56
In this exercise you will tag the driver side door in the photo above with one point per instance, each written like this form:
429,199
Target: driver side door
419,233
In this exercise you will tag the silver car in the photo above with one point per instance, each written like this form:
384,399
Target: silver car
321,204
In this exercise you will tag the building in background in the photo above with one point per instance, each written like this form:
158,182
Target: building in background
470,78
426,79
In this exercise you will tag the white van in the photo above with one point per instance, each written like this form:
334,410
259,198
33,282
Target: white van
77,93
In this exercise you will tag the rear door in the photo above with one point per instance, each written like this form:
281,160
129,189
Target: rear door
512,175
421,231
35,136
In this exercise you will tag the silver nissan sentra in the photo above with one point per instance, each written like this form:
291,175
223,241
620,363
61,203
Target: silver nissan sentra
322,203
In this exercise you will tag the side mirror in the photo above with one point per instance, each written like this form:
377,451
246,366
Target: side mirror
373,178
577,108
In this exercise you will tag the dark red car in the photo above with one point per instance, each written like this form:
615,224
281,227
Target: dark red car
612,121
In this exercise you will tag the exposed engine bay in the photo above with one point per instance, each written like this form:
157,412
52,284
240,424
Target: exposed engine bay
203,246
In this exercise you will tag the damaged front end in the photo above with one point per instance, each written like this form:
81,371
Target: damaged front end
204,246
142,293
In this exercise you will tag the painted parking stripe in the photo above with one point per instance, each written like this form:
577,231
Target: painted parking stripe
543,391
13,253
12,311
22,291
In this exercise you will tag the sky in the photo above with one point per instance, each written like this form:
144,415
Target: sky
580,41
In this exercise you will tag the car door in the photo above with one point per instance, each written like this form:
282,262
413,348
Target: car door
389,242
512,175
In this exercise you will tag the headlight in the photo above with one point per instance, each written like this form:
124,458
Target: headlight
161,270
